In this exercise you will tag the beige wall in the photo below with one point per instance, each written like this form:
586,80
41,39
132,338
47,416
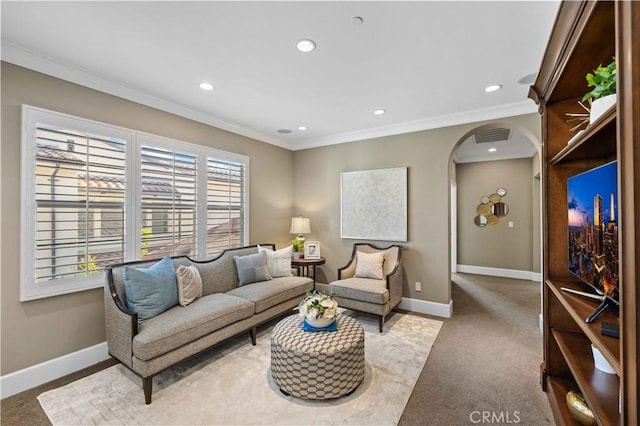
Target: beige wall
36,331
427,154
497,246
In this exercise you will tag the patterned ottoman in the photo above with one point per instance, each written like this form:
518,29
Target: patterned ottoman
317,365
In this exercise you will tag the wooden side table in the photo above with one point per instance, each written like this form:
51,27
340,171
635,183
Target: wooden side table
303,267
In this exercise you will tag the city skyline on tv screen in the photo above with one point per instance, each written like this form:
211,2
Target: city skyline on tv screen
593,228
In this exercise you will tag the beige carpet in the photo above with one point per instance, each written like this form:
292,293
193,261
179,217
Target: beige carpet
232,385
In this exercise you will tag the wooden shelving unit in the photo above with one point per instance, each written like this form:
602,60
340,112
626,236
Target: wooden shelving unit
585,35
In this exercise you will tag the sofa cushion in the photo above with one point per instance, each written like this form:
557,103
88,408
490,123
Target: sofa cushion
252,268
189,284
364,289
369,265
181,325
266,294
278,261
151,291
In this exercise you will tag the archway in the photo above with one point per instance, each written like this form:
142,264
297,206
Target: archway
489,136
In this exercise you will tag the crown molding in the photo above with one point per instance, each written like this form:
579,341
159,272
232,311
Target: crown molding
20,56
28,59
465,117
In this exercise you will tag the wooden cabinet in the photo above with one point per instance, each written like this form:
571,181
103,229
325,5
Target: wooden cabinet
585,35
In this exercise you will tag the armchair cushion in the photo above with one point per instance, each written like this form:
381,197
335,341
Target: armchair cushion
364,289
369,265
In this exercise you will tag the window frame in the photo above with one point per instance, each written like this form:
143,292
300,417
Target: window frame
31,116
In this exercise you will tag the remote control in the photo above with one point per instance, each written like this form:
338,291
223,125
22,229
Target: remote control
610,329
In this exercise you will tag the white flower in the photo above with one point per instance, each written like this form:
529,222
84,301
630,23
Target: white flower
303,310
329,314
312,313
326,303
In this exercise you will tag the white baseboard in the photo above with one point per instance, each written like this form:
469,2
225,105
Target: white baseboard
47,371
425,307
500,272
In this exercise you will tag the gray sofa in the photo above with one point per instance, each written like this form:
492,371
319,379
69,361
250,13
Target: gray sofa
224,310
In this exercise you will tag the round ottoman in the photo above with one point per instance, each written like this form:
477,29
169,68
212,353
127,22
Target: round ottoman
317,365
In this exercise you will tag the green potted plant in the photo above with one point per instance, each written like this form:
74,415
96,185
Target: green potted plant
298,247
603,94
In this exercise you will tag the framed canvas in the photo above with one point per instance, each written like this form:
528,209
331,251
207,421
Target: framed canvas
374,204
312,250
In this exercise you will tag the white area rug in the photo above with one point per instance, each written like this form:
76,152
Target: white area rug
232,385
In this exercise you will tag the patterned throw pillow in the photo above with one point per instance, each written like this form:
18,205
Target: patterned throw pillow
369,265
189,284
151,291
252,268
279,261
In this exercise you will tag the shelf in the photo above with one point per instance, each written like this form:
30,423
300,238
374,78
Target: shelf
580,308
583,148
558,389
600,390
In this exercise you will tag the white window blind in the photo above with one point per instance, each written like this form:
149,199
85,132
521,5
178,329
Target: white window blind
225,204
169,202
97,195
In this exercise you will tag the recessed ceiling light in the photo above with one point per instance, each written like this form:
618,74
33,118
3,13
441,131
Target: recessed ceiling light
379,111
206,86
493,88
493,149
357,20
302,128
284,131
306,45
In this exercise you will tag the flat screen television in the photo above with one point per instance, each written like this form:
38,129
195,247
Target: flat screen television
593,231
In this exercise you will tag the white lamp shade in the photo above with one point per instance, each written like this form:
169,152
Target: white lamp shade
300,225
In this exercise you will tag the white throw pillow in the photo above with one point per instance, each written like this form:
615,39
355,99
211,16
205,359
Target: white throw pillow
189,284
369,265
279,261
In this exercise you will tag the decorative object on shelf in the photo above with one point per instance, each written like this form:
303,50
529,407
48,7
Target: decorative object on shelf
581,117
491,208
319,309
600,362
312,250
603,94
579,409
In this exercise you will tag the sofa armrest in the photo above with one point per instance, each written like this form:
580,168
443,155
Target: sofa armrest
121,323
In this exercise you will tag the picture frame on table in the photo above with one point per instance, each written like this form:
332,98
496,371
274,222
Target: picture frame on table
312,250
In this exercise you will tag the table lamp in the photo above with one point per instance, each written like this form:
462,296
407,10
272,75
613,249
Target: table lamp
300,226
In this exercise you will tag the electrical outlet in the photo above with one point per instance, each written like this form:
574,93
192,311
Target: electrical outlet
418,286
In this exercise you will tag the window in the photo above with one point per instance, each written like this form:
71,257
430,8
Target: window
97,195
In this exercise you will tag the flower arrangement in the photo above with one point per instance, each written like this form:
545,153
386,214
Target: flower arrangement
318,306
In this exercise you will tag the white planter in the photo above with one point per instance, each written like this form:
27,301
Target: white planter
600,106
319,323
600,361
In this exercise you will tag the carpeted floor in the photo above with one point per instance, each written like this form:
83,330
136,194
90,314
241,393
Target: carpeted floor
485,363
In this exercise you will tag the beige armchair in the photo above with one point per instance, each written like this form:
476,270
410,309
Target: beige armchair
371,287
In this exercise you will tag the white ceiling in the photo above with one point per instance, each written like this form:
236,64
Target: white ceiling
426,63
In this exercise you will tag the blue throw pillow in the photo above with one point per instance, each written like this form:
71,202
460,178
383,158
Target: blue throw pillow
151,291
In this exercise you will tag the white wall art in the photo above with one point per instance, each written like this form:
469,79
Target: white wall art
374,204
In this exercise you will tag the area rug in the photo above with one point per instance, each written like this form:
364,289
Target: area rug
232,385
